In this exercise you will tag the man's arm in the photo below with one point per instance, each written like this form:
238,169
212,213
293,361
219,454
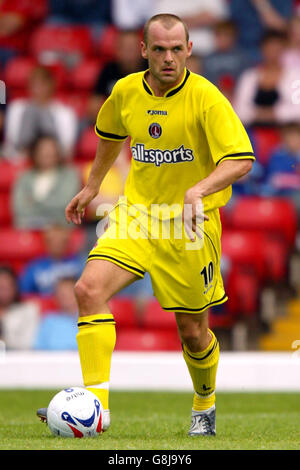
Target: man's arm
106,154
225,174
269,16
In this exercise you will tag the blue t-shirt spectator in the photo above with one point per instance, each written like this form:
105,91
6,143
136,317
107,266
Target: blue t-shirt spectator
41,275
283,173
251,24
57,332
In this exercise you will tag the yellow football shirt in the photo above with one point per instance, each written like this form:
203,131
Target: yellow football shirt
176,140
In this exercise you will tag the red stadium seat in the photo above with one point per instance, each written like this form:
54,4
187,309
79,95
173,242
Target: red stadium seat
77,241
242,291
108,43
48,43
244,249
87,144
85,74
274,215
123,311
275,254
21,245
18,71
265,141
137,339
156,317
220,320
8,174
24,245
5,210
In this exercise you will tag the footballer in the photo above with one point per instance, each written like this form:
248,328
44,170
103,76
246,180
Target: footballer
188,146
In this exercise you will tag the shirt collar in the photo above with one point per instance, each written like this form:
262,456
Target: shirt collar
171,91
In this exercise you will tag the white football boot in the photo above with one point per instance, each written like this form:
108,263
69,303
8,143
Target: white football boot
203,422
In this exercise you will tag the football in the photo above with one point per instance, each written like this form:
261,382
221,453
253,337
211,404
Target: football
75,412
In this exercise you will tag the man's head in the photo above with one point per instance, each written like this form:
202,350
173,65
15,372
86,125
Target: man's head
128,50
57,240
41,84
273,44
166,46
45,153
65,297
290,133
225,35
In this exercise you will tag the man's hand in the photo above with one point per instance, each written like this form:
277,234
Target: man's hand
193,212
75,209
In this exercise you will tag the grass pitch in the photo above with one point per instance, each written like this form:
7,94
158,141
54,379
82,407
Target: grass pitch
159,421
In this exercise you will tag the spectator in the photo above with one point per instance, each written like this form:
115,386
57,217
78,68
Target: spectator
283,169
42,192
194,64
223,66
291,57
57,329
254,17
17,18
200,17
89,12
127,14
263,94
41,113
18,320
128,60
41,275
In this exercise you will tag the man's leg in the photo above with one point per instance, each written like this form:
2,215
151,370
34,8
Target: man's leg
201,354
96,337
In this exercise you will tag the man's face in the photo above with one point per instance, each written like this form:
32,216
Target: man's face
166,51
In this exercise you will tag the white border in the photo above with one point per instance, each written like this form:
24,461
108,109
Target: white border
249,371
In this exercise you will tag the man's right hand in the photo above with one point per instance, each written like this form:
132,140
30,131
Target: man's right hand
74,211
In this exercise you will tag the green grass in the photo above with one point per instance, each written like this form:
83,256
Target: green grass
159,420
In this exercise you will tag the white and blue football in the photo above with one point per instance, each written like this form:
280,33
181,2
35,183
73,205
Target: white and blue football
75,412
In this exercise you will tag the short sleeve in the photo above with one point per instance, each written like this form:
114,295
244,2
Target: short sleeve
226,135
109,124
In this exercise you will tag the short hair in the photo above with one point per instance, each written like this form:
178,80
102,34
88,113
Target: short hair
226,25
290,126
43,73
168,20
271,35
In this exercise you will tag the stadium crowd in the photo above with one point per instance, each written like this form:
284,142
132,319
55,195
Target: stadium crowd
59,60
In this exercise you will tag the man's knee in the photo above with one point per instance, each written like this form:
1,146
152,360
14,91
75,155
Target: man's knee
86,290
193,333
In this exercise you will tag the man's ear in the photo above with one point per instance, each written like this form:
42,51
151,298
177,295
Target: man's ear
190,48
144,50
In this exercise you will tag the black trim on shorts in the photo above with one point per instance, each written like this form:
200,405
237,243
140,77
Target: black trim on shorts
236,155
108,135
106,320
118,261
176,309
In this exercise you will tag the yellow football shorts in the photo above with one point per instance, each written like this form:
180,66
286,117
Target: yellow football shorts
185,275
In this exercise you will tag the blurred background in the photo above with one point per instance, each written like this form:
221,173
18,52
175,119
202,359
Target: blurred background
59,60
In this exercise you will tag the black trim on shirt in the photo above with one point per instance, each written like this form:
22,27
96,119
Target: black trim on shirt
108,135
171,92
235,155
